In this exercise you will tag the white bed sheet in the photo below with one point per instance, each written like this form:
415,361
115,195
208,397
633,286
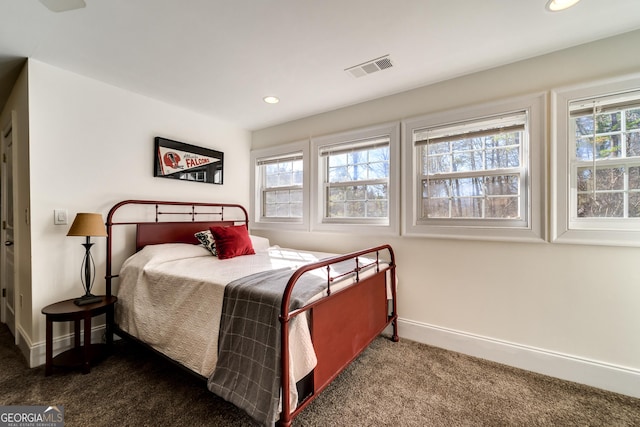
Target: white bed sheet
170,297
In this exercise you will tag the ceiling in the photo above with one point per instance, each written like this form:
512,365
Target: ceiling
221,57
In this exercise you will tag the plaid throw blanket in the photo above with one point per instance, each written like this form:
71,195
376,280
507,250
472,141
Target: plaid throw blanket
248,369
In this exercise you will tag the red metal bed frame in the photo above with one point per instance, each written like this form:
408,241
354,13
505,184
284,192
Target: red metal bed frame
342,324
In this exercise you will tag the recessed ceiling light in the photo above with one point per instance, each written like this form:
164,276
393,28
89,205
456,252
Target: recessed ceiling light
271,99
63,5
558,5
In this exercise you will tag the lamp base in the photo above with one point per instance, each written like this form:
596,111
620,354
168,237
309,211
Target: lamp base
87,299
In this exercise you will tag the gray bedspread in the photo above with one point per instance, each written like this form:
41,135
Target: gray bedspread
248,369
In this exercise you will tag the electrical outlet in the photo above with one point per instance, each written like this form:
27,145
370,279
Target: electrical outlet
60,216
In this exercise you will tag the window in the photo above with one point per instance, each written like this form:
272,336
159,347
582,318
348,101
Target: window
356,181
279,186
281,189
477,172
597,147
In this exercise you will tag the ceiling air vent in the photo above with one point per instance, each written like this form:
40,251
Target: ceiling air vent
369,67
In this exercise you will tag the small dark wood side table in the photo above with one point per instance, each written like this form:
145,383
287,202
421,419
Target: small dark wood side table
81,355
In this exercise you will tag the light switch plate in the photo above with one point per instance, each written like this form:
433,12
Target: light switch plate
60,216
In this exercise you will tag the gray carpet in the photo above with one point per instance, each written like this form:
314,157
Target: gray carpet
390,384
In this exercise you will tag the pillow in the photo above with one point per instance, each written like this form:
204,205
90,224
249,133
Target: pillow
206,239
232,241
259,243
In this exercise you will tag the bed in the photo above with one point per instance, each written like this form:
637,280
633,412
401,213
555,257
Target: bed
256,326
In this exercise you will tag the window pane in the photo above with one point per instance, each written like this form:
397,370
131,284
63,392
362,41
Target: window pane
606,179
296,196
378,191
502,207
338,174
378,170
337,194
336,210
609,178
379,154
634,205
358,201
357,172
283,174
608,122
284,179
356,192
607,190
602,205
296,210
584,126
337,160
355,209
502,185
438,164
283,210
270,197
584,149
585,179
466,207
377,209
454,184
271,180
435,188
634,178
282,204
435,208
503,158
271,169
502,140
633,144
359,165
632,118
270,211
297,178
282,197
608,146
438,148
467,161
467,187
466,144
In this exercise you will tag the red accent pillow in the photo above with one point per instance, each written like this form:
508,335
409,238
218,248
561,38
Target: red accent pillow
232,241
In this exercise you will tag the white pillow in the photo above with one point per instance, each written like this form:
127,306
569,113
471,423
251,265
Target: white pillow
259,243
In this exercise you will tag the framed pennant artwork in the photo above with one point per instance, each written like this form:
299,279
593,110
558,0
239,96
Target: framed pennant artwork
177,160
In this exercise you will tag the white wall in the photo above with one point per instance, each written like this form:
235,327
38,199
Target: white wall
568,311
91,145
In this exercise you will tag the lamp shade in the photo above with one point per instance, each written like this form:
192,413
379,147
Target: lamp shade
88,224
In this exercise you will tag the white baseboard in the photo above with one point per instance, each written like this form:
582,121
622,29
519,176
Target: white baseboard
36,353
571,368
23,343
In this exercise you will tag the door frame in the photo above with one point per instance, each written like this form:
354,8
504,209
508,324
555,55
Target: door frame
8,127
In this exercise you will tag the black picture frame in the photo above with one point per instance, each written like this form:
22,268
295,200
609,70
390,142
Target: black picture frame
178,160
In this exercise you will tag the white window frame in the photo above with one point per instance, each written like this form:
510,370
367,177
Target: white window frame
255,205
390,226
532,228
565,227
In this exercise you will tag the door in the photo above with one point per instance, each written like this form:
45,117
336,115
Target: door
7,248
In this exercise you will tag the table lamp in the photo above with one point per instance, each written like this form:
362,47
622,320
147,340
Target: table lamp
87,225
